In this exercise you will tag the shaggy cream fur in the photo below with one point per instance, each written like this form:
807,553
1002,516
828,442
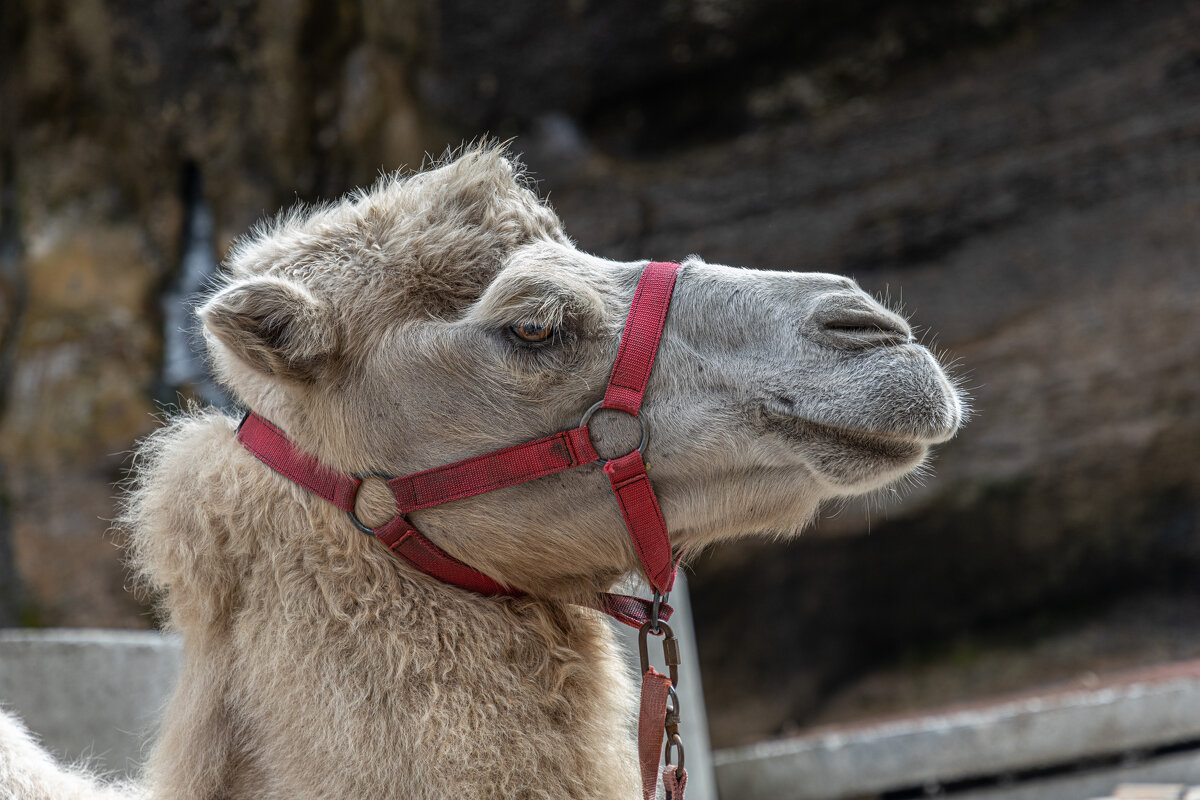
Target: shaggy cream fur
377,332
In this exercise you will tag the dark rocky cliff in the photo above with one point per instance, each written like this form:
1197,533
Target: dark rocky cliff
1037,206
1024,177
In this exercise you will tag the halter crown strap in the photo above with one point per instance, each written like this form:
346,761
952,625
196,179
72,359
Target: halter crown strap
514,465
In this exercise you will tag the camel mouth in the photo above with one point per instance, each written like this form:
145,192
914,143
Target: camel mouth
889,443
936,425
849,459
860,431
897,393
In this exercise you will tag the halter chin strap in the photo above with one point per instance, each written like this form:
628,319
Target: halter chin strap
517,464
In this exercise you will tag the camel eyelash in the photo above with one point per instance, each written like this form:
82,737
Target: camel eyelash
537,338
532,332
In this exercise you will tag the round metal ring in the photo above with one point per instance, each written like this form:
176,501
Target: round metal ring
641,448
361,476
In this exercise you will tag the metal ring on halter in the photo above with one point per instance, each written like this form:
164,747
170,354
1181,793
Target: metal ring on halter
587,416
358,523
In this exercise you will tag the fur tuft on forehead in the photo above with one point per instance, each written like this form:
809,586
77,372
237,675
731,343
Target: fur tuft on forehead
426,242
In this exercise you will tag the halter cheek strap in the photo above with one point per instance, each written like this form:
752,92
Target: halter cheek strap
514,465
626,389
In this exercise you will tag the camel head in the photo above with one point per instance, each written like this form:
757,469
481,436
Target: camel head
446,314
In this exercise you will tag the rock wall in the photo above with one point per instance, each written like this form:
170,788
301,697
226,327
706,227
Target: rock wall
108,106
1037,206
1023,176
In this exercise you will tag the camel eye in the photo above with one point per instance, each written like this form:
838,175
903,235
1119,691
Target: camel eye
532,331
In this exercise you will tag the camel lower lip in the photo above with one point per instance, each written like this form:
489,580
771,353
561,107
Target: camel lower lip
931,419
895,443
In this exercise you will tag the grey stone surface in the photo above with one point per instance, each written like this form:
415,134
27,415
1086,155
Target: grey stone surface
1097,783
1016,736
89,694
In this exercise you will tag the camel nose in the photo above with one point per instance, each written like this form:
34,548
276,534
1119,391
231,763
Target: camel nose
851,320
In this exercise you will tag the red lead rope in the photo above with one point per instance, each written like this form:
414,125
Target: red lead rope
518,464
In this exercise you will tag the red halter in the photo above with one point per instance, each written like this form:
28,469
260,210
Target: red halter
518,464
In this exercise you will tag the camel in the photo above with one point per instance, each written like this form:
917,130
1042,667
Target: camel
433,317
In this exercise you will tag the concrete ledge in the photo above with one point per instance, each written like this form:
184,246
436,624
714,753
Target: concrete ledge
1097,784
1137,712
89,694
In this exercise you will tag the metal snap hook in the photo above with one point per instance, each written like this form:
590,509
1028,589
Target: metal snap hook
671,726
643,649
670,648
677,743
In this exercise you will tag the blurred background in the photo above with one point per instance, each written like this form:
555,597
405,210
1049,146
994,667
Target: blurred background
1021,176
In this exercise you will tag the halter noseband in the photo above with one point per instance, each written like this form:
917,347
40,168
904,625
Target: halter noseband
518,464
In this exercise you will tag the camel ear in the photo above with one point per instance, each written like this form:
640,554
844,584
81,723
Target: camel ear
276,326
480,179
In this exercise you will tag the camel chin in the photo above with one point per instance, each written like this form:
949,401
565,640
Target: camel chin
856,453
891,405
852,462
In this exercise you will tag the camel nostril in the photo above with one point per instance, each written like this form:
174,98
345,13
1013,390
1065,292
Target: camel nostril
855,323
867,328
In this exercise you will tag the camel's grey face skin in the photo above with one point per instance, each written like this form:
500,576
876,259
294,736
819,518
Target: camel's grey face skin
772,392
